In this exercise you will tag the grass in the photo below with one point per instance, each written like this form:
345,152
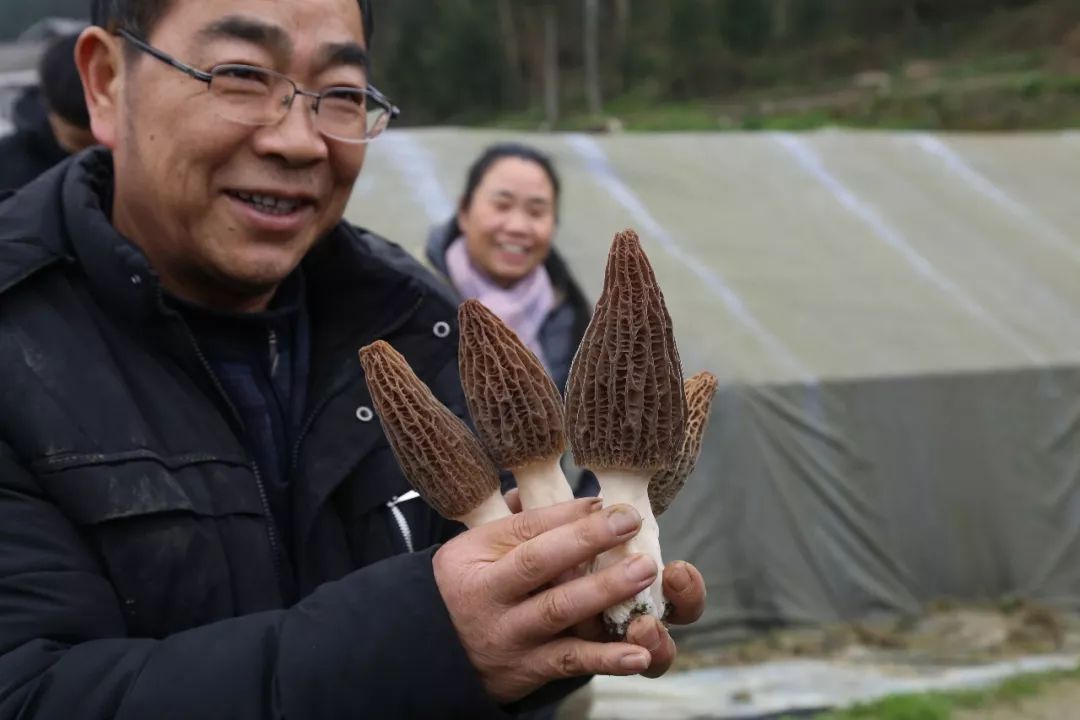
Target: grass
940,706
1033,99
1003,73
1032,104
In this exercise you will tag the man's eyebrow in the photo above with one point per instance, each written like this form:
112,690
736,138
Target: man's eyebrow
236,27
343,53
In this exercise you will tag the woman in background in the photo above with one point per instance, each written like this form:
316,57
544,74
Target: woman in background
498,249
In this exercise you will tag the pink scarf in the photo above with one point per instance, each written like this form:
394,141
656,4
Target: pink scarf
523,307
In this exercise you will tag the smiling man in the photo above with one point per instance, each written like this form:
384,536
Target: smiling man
200,516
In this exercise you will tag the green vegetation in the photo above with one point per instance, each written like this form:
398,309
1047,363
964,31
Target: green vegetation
705,65
940,706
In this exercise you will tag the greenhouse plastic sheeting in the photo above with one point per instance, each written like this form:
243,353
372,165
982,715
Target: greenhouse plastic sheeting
895,319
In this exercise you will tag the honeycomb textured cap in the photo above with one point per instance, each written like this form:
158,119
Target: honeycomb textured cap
516,407
625,407
666,484
438,453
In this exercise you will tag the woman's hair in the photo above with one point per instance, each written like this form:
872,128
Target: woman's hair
500,151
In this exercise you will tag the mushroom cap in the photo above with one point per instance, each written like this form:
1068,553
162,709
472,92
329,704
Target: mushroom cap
516,407
438,453
625,407
667,483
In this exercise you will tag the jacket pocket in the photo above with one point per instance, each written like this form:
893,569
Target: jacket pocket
98,488
182,539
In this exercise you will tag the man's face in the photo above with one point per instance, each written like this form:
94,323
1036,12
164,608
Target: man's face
189,183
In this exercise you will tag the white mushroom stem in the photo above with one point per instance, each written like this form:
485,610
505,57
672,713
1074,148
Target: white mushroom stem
542,483
492,509
624,487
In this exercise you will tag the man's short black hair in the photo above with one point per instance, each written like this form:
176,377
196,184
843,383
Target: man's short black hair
60,84
140,16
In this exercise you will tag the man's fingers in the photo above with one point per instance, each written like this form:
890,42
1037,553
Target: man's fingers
545,557
649,633
572,657
558,608
684,587
513,500
520,527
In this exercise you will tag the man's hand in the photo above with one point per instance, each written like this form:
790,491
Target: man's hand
494,580
684,588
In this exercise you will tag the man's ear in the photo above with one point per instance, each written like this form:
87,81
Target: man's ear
100,60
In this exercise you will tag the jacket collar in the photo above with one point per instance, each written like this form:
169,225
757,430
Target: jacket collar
438,242
118,272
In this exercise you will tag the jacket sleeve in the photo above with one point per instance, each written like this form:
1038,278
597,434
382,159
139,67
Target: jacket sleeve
359,647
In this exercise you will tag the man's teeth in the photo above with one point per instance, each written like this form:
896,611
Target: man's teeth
268,204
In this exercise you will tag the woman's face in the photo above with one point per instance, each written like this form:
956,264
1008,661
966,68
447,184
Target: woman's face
509,223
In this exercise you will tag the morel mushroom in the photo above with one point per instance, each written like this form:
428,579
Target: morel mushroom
666,484
625,408
438,453
516,407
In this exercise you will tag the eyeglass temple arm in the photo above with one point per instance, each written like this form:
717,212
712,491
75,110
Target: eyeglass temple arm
393,109
168,60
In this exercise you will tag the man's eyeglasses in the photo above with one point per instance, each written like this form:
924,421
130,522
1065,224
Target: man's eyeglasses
253,95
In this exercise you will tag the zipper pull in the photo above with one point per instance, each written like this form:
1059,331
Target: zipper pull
274,356
404,497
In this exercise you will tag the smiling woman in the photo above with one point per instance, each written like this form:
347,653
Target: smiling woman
498,250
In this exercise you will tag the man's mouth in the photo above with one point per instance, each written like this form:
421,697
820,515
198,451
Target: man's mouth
269,204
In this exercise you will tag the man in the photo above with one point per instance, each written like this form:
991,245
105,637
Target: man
200,516
50,119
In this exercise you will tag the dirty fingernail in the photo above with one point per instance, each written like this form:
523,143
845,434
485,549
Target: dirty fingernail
640,569
623,520
635,661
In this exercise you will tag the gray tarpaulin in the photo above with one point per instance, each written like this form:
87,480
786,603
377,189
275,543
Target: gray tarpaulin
895,319
853,497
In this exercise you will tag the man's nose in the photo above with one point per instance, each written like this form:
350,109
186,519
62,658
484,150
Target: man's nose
295,137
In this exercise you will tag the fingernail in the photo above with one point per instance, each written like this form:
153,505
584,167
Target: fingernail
678,578
641,568
635,661
623,520
651,639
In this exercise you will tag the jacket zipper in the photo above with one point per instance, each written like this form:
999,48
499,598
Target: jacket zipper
271,527
399,517
274,356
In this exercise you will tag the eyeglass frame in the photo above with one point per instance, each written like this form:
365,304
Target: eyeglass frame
208,77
